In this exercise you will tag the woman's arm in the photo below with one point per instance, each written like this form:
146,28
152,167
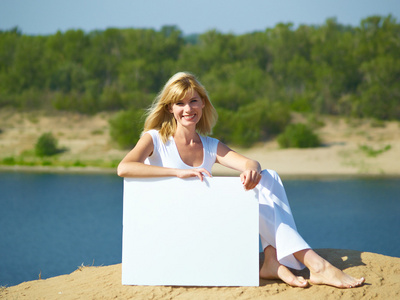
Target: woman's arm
132,165
250,169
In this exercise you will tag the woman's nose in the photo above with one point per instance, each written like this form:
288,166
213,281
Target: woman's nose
188,107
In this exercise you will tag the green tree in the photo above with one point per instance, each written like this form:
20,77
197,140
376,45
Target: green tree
254,122
126,127
46,145
380,90
324,69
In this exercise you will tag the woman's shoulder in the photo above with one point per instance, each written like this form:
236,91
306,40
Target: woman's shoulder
210,142
154,133
210,139
154,136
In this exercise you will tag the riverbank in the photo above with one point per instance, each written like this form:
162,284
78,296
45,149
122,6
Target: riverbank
350,147
382,275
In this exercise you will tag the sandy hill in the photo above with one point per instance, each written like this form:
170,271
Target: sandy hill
382,275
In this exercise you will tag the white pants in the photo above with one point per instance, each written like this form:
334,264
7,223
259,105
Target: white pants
277,226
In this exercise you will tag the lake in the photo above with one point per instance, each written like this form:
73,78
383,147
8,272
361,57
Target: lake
53,223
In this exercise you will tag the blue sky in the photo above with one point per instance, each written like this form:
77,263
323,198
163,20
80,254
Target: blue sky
48,16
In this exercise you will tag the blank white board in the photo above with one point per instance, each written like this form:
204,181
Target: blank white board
189,233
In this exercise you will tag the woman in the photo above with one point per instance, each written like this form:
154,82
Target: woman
175,143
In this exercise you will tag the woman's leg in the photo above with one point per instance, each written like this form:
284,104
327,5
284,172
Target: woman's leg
283,245
322,272
277,226
272,269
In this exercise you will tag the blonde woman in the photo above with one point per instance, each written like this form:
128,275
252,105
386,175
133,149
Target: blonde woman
175,142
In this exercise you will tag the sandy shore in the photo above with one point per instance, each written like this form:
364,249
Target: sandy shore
382,282
87,140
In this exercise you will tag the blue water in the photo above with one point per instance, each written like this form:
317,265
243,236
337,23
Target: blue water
358,214
53,223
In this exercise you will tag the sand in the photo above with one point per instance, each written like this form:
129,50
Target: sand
382,275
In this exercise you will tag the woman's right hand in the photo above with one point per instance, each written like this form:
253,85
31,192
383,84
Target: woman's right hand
187,173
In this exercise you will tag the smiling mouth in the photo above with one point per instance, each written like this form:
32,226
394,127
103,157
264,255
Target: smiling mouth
189,117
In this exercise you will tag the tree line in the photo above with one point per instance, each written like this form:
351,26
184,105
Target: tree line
253,79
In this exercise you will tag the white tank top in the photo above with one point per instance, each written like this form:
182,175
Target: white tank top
167,155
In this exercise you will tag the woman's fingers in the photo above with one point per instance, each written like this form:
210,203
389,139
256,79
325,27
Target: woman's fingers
201,173
186,173
250,179
205,171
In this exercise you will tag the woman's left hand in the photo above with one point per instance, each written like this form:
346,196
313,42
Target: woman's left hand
250,179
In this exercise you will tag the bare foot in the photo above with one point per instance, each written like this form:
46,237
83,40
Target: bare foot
322,272
331,275
272,269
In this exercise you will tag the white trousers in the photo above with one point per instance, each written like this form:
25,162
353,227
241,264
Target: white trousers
277,226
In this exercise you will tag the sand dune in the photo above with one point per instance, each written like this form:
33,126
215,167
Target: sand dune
382,275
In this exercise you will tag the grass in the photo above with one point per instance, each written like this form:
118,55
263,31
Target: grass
97,132
377,123
78,163
30,160
314,122
371,152
352,158
82,266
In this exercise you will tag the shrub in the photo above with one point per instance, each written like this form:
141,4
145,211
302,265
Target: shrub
298,136
9,160
46,145
78,163
252,123
125,127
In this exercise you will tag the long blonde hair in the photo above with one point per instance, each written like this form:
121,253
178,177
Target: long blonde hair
159,116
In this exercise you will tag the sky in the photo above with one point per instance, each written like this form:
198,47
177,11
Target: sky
43,17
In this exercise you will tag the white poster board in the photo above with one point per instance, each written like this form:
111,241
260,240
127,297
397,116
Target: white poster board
189,233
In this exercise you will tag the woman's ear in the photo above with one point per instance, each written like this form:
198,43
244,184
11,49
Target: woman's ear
168,108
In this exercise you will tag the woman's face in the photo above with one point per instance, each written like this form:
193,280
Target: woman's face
189,110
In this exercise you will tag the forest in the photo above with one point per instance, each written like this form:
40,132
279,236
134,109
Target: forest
255,80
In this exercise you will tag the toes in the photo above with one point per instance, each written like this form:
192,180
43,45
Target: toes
302,281
361,281
357,283
304,284
299,282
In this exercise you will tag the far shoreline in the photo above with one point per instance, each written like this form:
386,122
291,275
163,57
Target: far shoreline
356,149
58,170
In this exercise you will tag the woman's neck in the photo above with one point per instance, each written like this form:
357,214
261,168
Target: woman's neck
186,135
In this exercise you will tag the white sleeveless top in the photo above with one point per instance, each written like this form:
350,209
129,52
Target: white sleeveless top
167,155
